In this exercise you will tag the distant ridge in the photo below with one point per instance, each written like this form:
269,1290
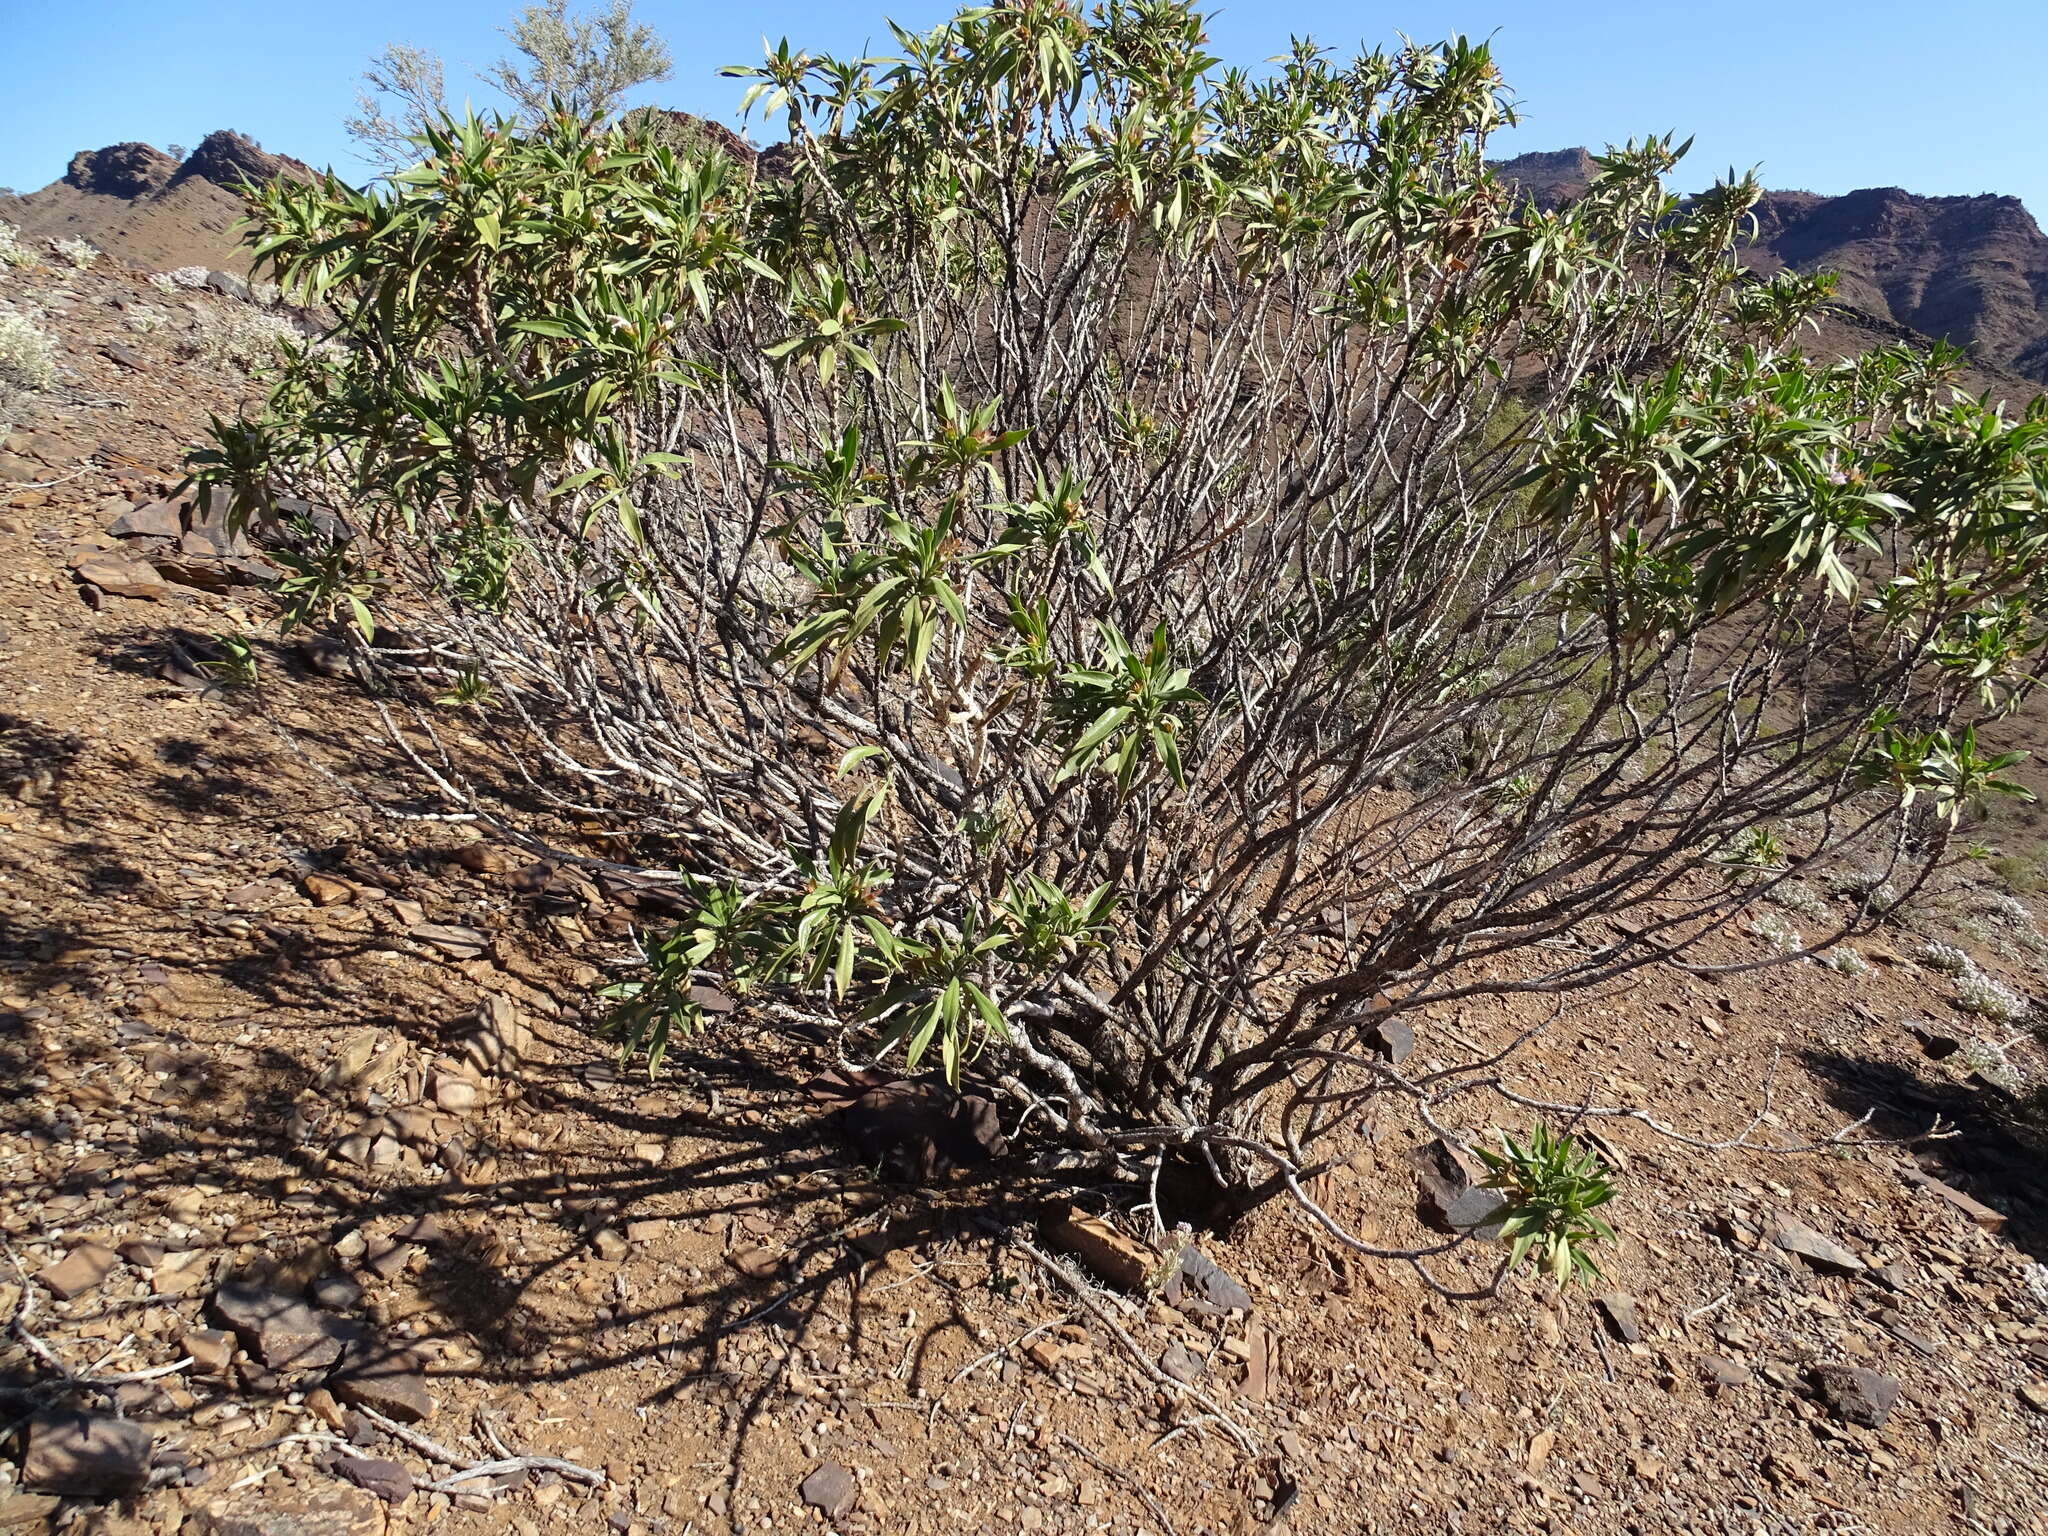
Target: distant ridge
1968,270
146,209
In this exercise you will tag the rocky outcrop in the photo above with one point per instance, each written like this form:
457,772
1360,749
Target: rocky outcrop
121,170
1550,177
228,159
1968,270
144,208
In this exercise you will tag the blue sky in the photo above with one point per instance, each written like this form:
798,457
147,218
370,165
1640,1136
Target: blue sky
1909,93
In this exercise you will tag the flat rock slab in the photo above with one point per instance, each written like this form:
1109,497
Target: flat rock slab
382,1376
1454,1198
1965,1205
151,520
28,1511
831,1490
1798,1238
388,1480
1624,1316
86,1453
79,1271
1855,1394
1113,1256
283,1333
452,939
501,1039
1391,1040
1201,1287
916,1132
1181,1365
121,576
271,1510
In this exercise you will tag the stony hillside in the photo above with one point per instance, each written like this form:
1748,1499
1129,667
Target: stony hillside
148,210
328,1210
1968,270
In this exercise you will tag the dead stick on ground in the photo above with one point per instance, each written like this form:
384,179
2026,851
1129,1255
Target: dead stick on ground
469,1468
17,1325
1130,1482
1085,1294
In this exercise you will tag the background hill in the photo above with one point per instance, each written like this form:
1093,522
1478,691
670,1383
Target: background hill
146,209
1968,270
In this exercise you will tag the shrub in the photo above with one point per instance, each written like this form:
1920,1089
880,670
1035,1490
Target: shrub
28,358
146,318
1007,567
1993,1062
1872,887
1989,998
1944,958
1549,1190
1775,931
178,279
78,253
1848,962
582,63
28,362
241,337
12,252
1798,896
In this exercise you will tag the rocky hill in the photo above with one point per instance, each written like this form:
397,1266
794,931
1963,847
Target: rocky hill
146,209
1968,270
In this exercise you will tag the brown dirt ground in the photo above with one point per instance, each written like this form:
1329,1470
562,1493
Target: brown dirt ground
173,1006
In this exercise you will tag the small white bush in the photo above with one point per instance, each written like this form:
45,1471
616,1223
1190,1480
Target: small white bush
264,291
145,318
178,278
1778,933
1990,1062
1848,962
28,358
2007,908
246,338
1945,958
12,252
79,253
1798,896
1989,998
1864,885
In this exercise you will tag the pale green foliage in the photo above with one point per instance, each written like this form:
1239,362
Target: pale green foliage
403,90
28,361
12,252
1549,1189
1992,1061
241,336
1944,958
581,62
1775,931
1848,961
1798,896
79,254
584,61
1989,998
28,357
1083,492
143,319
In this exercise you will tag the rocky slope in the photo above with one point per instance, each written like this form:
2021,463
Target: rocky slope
146,209
327,1209
1968,270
